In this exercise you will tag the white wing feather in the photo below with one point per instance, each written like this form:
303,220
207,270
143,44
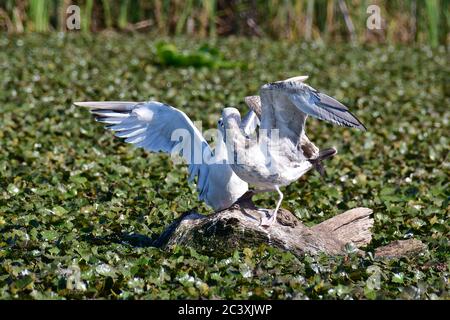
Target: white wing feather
150,125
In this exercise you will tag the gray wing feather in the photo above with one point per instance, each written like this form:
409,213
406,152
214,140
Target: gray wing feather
286,105
254,103
249,123
278,112
324,107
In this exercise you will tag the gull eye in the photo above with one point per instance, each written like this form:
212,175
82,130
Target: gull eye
220,122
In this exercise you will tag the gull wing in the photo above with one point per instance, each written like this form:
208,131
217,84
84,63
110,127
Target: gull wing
324,107
249,123
254,103
151,125
286,105
251,120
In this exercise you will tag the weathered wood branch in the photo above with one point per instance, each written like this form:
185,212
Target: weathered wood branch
400,248
239,227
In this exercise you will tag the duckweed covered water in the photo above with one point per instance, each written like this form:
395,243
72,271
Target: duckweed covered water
79,208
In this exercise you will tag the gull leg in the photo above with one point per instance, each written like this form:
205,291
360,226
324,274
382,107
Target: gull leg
268,222
265,213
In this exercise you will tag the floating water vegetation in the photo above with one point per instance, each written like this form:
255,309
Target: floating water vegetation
79,208
167,54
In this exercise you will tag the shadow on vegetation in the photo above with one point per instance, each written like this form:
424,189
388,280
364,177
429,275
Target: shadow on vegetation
140,240
131,239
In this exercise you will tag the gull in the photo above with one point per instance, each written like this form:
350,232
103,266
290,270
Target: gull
284,153
158,127
252,120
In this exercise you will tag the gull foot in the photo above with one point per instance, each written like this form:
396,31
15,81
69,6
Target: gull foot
267,219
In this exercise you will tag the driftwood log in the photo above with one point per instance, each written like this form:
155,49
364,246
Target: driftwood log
239,227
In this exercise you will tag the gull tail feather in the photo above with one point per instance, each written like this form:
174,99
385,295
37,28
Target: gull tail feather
323,155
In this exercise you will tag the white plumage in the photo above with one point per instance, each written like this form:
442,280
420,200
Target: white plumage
153,125
240,156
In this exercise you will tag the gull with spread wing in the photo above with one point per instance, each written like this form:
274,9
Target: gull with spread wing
284,153
152,125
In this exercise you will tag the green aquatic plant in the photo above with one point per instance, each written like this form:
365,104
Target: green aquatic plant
167,54
79,209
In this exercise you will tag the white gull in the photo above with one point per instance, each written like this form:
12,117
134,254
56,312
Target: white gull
152,125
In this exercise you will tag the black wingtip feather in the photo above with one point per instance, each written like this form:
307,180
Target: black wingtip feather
360,126
332,103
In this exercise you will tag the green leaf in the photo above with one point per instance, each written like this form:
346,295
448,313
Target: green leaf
49,235
398,278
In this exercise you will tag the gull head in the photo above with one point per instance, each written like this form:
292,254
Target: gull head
230,121
231,118
221,129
